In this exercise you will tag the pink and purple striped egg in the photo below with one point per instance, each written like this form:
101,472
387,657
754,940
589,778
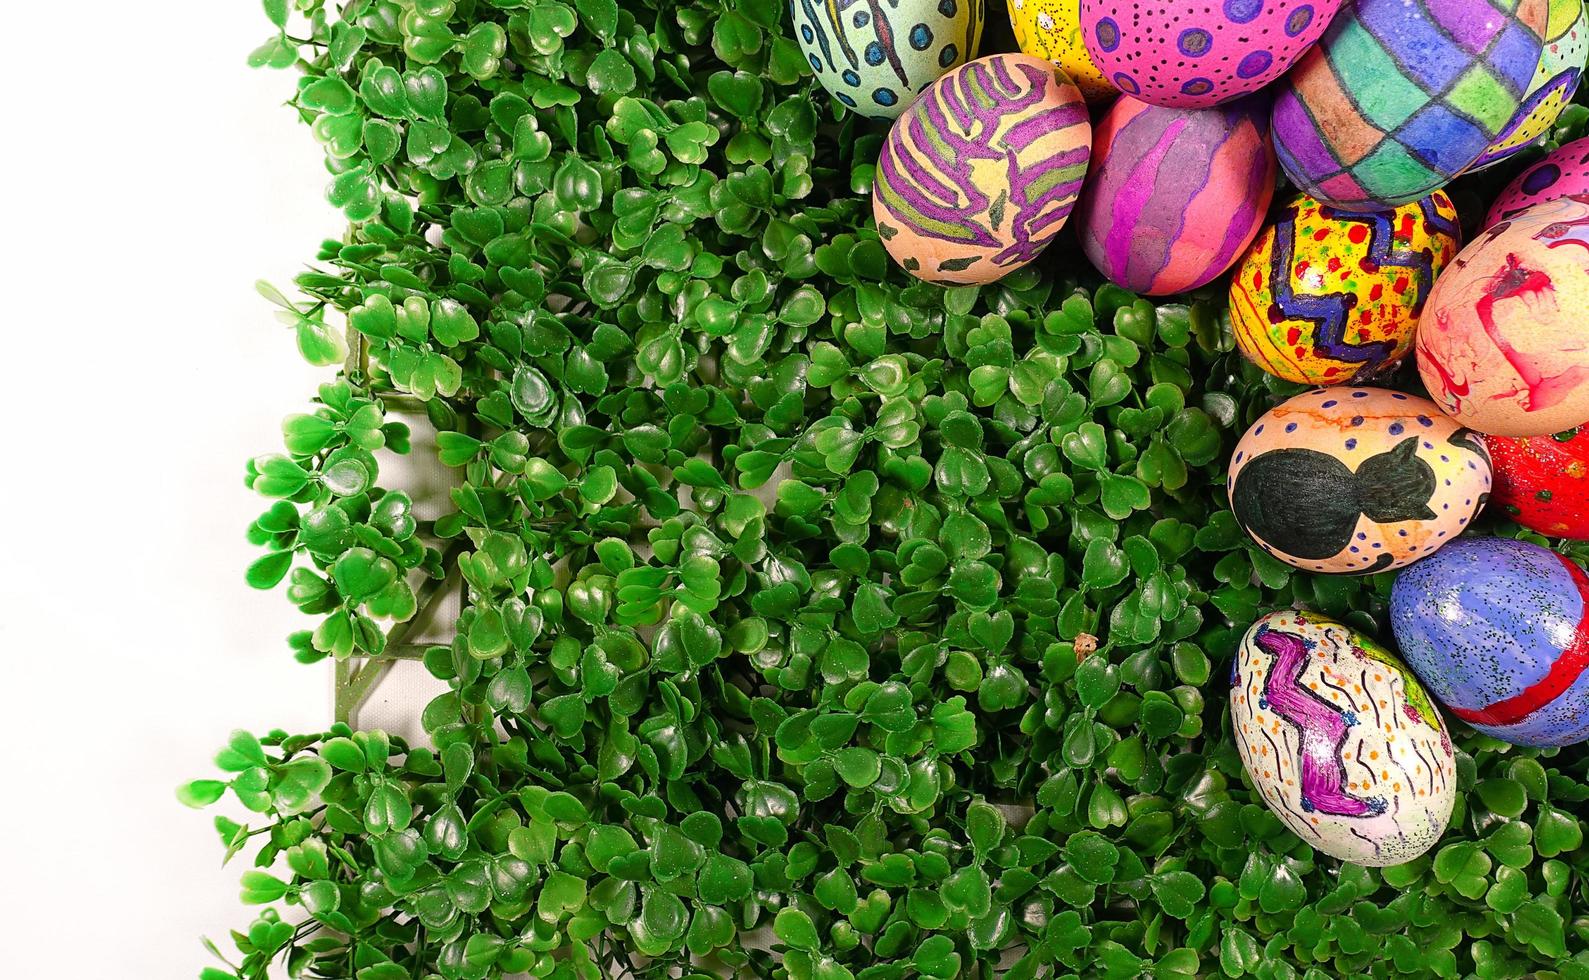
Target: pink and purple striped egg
1169,53
1174,196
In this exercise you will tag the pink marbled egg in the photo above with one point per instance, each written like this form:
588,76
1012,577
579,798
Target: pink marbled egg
1562,172
1191,56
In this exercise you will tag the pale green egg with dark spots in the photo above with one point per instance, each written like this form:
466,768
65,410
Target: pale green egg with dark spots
874,56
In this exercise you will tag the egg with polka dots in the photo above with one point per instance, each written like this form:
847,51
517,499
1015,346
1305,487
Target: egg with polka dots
874,57
1356,480
1341,740
1191,56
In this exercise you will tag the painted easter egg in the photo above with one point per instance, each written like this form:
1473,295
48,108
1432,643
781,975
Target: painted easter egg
1499,631
1175,195
1340,739
1503,346
1555,81
1170,53
1356,480
875,57
1542,482
1400,96
1563,171
1051,30
1326,296
982,170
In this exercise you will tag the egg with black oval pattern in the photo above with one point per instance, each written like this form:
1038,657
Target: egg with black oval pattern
1356,480
1341,740
875,57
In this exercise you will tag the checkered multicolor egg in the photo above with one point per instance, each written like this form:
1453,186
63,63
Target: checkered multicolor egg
1555,81
1051,29
1400,96
875,57
1341,740
1191,56
1328,297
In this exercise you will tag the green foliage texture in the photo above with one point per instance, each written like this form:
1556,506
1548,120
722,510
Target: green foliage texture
775,562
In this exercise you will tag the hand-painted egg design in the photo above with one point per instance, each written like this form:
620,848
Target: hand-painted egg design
874,57
1356,480
1542,482
1051,30
1326,296
1499,631
1555,81
1187,56
1175,195
981,172
1341,740
1503,345
1563,171
1400,96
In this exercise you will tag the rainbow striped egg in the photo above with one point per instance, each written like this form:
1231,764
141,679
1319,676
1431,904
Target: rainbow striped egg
1499,630
1174,196
1340,739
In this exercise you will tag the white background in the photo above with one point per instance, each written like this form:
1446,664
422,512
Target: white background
151,177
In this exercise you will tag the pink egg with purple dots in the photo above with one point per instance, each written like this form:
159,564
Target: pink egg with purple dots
1191,56
1564,171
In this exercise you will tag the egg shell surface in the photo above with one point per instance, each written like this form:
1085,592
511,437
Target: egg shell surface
1555,81
1175,195
1341,740
1543,481
1051,30
977,177
1326,296
1400,96
875,57
1563,171
1356,480
1192,56
1503,344
1497,630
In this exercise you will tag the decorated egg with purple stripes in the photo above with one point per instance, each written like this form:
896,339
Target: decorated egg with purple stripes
1340,739
1356,480
1175,195
1499,631
1191,56
980,173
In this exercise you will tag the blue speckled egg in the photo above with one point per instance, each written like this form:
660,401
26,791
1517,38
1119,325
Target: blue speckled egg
874,57
1496,629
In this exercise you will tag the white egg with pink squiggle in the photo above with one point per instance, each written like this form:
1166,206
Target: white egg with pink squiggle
1340,739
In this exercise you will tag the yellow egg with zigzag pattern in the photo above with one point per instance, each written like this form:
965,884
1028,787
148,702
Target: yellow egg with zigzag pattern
1327,297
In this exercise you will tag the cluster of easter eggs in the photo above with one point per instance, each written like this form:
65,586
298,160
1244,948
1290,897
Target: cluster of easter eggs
1163,127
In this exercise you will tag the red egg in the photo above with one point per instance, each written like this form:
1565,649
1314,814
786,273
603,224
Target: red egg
1543,481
